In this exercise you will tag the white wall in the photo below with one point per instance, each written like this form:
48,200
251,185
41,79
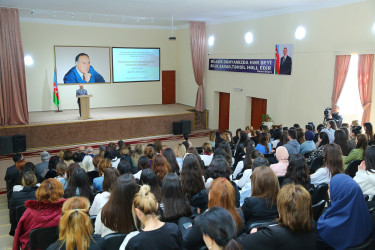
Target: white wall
298,98
39,40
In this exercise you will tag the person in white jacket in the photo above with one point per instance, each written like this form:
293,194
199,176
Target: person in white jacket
365,177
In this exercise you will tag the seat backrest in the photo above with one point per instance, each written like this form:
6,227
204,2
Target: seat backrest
281,179
352,168
41,238
19,212
113,241
320,193
316,163
318,209
369,244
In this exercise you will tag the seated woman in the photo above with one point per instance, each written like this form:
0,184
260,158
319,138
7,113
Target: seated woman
297,172
365,176
219,229
249,149
239,148
116,215
207,153
98,181
191,177
44,212
323,140
19,198
309,144
171,159
264,145
359,152
347,222
332,165
369,132
148,177
221,195
142,164
247,166
174,204
110,178
261,206
295,228
342,141
51,171
180,152
61,169
78,185
153,234
160,166
282,156
75,228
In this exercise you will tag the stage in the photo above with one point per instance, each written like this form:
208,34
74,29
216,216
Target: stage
51,129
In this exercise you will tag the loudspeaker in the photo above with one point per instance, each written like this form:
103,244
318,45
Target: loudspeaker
19,143
177,128
6,145
186,126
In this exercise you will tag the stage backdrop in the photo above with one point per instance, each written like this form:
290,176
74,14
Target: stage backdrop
99,62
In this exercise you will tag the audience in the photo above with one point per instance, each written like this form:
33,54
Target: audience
153,234
75,228
282,156
116,214
347,222
365,177
43,212
295,228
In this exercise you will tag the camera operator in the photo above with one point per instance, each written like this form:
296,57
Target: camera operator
336,116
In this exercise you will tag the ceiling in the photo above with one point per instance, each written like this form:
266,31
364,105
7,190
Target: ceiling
158,12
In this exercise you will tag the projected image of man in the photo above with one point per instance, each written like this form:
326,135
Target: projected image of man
83,72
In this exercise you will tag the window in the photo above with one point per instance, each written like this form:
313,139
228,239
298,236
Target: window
349,100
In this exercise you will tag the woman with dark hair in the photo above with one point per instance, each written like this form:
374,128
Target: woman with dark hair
224,150
78,185
142,164
264,145
294,229
369,132
297,172
160,166
110,178
342,141
247,169
148,177
323,140
246,162
261,206
300,135
173,203
129,159
191,177
222,194
116,216
284,138
276,138
125,167
332,165
51,172
219,229
237,137
171,158
359,152
149,151
239,148
347,222
44,212
68,157
365,176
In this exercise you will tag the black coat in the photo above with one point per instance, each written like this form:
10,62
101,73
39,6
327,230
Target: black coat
276,237
10,178
257,210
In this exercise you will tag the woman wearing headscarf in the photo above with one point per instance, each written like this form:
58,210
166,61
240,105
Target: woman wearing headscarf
282,156
347,222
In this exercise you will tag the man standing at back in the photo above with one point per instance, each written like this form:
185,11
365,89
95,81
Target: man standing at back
292,145
39,168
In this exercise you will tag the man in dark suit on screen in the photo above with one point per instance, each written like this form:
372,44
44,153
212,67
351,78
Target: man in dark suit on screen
285,63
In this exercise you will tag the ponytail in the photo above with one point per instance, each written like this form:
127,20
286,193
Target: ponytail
146,202
232,245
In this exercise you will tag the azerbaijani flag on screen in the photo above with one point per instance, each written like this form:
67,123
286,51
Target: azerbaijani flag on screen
56,99
277,60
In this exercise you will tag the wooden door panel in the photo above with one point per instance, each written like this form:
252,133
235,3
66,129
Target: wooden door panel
169,86
224,106
258,107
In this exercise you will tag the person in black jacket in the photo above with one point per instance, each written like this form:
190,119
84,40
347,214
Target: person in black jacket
295,229
12,175
29,181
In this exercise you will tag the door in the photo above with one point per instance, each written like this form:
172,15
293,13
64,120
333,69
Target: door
258,107
224,111
169,86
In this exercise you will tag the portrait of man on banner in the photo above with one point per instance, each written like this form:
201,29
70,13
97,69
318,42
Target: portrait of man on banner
283,59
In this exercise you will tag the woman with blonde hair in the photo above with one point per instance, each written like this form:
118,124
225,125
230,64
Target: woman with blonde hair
76,231
180,152
153,234
212,138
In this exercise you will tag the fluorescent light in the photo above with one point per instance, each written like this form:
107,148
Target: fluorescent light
211,40
249,37
28,60
300,33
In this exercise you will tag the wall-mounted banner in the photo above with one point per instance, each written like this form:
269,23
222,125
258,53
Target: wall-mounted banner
264,66
283,59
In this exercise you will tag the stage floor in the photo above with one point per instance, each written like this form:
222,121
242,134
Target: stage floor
69,116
